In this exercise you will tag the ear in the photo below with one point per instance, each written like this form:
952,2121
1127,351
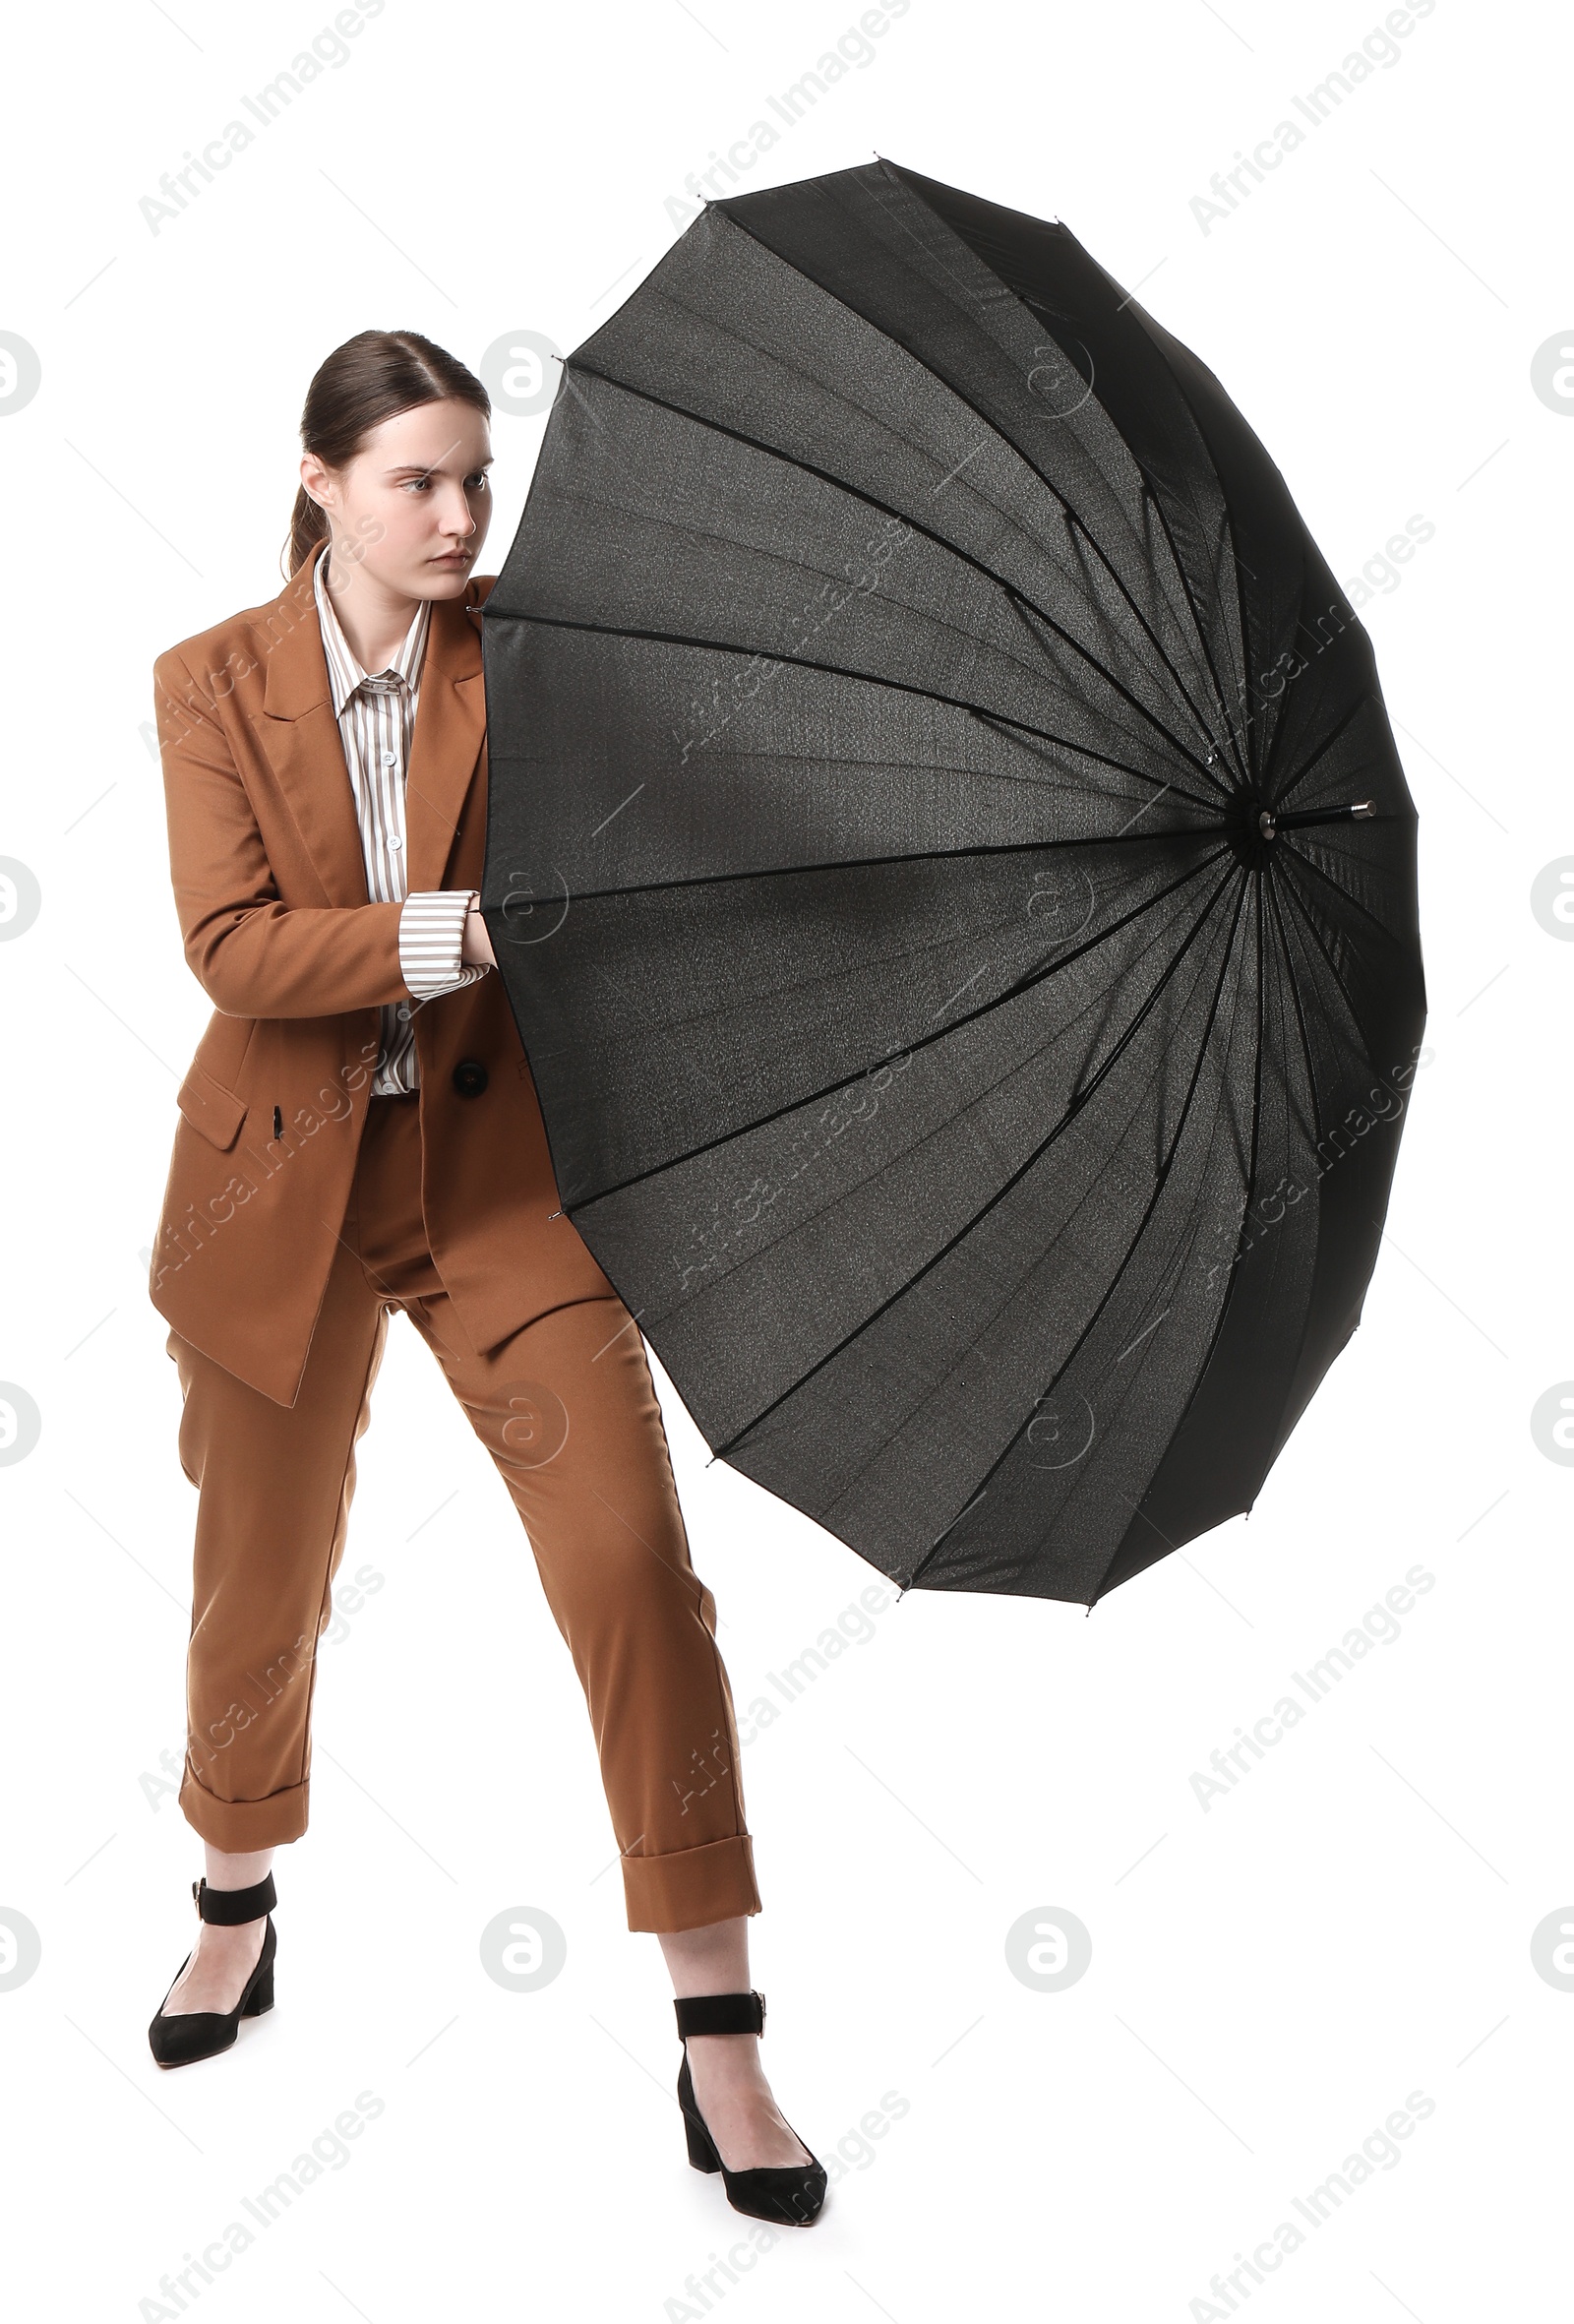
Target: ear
316,481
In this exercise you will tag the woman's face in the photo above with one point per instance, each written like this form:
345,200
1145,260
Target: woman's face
411,508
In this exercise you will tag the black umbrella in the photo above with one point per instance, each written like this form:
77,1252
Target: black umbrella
954,880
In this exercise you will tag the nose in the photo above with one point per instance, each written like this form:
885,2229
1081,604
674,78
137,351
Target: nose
458,516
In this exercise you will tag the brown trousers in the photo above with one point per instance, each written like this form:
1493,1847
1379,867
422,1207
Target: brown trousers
569,1412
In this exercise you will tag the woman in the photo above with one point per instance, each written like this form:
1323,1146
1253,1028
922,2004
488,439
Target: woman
359,1133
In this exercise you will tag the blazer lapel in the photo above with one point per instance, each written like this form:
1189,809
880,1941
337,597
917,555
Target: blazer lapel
301,736
450,727
306,751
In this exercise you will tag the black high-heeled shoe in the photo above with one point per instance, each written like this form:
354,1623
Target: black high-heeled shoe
202,2033
788,2195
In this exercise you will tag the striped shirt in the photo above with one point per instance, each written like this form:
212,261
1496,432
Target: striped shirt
377,722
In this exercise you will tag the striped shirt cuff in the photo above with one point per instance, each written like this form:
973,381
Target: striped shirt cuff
431,940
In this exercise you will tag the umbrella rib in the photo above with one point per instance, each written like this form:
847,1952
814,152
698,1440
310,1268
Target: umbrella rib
1333,967
1307,863
1321,751
1178,569
1080,1011
869,500
1234,1264
1047,318
796,1104
1212,1135
1311,1085
895,213
1354,711
865,863
1230,729
1000,1193
905,953
797,661
1301,1014
1100,757
1074,519
952,548
1141,1229
983,418
1244,627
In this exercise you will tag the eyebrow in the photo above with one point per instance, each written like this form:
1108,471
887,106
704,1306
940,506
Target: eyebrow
425,469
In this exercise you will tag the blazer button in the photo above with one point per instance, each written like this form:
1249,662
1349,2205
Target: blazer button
469,1076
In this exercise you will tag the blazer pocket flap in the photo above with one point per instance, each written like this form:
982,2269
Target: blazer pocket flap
210,1108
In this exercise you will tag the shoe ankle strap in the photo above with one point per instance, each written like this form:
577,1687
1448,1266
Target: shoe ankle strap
720,2013
227,1908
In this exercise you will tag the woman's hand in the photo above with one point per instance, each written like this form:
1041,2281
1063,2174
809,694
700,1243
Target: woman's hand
476,943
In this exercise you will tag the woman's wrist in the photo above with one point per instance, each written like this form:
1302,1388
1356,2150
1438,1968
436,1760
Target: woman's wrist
476,943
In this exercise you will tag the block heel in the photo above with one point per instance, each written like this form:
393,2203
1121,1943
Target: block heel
701,2147
262,1999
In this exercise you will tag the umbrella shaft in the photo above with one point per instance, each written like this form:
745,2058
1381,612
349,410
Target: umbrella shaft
1269,822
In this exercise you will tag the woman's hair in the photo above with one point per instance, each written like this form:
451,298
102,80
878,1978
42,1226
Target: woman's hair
363,382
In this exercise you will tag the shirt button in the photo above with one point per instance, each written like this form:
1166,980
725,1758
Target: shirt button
394,840
391,758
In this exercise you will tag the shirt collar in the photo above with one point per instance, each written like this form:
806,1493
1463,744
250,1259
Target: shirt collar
345,675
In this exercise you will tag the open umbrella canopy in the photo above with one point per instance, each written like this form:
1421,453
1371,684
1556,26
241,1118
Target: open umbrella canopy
954,880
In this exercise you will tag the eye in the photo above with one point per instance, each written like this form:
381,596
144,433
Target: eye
480,481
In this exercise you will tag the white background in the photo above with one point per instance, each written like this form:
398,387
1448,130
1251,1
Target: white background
1269,1979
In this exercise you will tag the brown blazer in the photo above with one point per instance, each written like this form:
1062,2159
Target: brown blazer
269,885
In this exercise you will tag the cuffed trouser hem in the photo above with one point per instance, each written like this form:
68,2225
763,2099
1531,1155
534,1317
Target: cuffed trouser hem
237,1826
689,1887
